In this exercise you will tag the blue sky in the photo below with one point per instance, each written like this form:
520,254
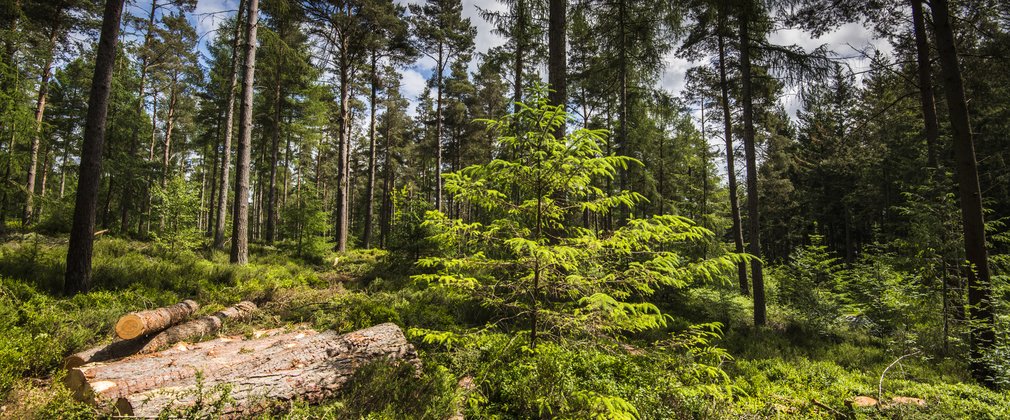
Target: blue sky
844,42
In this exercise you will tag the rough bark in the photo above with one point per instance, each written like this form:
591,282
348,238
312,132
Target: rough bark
754,227
439,68
201,327
275,142
240,212
366,237
82,231
557,61
727,121
136,324
925,83
221,214
343,155
125,203
103,383
980,311
115,350
40,108
302,365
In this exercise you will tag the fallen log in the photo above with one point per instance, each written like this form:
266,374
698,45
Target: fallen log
115,350
198,327
102,383
311,369
136,324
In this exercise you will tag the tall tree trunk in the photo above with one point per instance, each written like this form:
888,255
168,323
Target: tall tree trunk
82,231
983,335
166,158
439,67
925,83
40,108
275,144
212,202
240,213
754,227
126,202
343,178
220,212
520,54
557,67
366,237
727,120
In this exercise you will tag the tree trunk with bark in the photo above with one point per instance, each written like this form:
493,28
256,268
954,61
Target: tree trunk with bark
82,232
204,326
925,84
983,335
727,119
240,210
220,210
557,62
366,237
754,227
136,324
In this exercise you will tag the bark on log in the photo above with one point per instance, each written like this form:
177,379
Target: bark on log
197,328
114,350
102,383
136,324
310,368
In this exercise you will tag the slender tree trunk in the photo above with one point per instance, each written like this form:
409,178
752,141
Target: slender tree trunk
520,54
82,231
126,202
754,227
343,178
727,119
40,108
166,158
558,64
980,311
240,213
366,237
439,67
212,202
925,83
274,160
220,212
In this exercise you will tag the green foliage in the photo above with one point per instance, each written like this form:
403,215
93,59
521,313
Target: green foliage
305,220
177,206
810,283
532,260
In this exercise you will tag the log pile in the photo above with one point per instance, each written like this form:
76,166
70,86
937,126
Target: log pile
245,376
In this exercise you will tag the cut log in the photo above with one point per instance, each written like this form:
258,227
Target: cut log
310,369
102,383
115,350
198,328
136,324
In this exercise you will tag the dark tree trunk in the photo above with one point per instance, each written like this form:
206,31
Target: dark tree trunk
126,202
274,160
730,158
40,108
240,212
343,158
558,64
82,232
520,54
754,227
925,83
220,210
980,312
439,67
366,237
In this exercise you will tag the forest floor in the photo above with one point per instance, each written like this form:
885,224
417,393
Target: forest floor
779,371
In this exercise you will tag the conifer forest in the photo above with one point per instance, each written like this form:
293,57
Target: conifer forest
505,209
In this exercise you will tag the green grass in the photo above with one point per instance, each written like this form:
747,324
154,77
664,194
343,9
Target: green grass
783,371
